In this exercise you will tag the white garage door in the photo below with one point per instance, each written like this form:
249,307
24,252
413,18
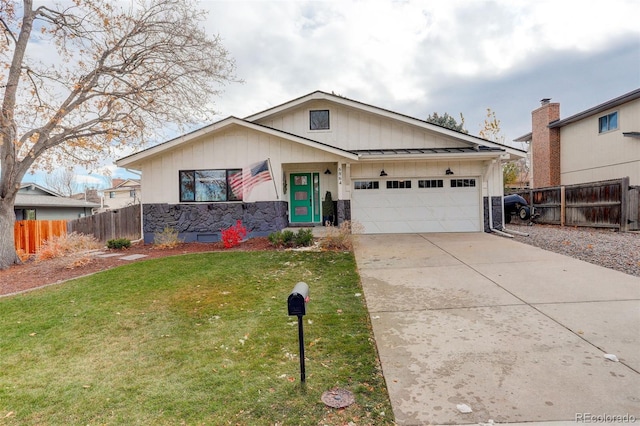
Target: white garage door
417,205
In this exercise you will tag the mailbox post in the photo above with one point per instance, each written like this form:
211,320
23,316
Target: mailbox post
296,305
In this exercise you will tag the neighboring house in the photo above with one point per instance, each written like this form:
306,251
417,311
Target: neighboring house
123,193
600,143
35,202
387,171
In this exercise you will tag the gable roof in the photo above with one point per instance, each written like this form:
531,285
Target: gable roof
47,198
225,123
476,144
341,100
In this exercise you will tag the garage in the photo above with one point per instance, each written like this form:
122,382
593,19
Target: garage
417,205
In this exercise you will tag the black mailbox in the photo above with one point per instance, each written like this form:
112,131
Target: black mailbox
298,299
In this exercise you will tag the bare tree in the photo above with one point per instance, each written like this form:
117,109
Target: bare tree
62,181
114,76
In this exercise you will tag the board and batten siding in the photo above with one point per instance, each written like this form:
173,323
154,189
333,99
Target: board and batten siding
353,129
589,156
234,148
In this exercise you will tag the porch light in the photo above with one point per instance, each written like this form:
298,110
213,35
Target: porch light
327,172
383,173
448,171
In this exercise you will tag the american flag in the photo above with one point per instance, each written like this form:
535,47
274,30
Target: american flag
242,184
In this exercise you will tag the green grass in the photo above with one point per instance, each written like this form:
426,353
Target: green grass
195,339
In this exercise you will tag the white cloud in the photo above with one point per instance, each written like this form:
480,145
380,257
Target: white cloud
418,57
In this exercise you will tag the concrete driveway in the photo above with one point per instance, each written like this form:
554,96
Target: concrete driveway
516,333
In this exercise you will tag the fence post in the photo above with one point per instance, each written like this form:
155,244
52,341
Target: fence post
624,204
563,205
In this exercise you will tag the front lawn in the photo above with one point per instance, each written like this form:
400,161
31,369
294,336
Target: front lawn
194,339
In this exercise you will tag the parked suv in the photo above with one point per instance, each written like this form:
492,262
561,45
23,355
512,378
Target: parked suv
515,204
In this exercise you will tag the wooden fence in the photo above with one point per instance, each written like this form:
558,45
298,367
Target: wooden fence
31,234
607,204
121,223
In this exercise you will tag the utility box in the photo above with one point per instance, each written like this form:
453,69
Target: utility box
296,303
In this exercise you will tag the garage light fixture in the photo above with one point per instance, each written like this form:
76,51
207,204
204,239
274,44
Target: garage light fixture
327,172
383,173
448,171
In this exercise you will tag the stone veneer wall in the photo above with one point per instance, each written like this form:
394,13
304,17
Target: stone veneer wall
496,207
203,222
344,210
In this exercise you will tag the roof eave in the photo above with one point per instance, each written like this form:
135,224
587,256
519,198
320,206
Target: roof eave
490,155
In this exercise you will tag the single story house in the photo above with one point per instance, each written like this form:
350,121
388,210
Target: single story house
35,202
389,172
597,144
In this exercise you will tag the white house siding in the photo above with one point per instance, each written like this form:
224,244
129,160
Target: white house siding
587,156
235,148
353,129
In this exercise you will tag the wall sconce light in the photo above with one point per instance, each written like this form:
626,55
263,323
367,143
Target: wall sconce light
327,172
383,173
448,171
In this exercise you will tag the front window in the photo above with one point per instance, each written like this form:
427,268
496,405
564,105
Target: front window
210,185
319,119
608,122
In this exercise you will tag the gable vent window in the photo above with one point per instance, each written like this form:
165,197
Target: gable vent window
398,184
319,119
608,122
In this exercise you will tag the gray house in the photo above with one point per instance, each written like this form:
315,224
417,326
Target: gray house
35,202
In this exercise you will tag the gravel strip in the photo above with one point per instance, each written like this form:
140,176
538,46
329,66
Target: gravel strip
604,247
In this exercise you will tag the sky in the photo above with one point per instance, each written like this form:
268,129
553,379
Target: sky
421,57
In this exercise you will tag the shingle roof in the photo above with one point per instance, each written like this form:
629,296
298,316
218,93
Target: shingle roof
24,200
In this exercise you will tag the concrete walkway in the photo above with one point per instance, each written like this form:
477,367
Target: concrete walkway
516,333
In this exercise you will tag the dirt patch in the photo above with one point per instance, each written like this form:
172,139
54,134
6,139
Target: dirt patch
33,274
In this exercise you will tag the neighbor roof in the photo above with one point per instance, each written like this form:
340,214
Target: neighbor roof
627,97
24,200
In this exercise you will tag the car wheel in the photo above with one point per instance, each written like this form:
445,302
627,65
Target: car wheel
524,213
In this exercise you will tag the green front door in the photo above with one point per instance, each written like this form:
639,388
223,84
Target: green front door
305,197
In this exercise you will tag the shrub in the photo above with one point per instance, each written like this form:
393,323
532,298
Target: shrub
64,245
303,238
340,238
167,238
234,235
288,238
119,243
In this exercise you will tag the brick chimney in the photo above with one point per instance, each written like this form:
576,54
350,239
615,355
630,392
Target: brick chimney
545,145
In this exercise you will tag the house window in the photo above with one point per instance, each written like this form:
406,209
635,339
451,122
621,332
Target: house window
608,122
319,119
463,183
210,185
132,193
431,183
112,194
398,184
366,184
29,214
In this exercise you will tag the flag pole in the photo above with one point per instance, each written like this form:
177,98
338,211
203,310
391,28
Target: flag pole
272,178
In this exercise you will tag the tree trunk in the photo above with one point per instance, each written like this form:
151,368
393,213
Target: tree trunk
8,255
